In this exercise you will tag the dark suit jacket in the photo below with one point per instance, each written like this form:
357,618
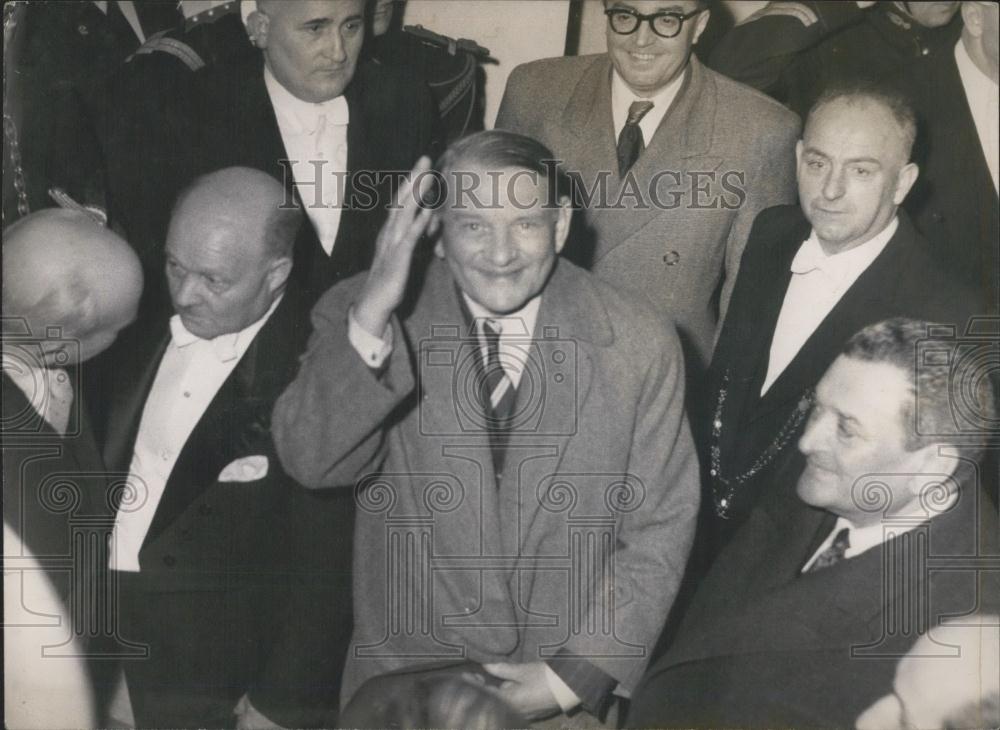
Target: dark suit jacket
53,486
954,202
764,645
244,586
902,281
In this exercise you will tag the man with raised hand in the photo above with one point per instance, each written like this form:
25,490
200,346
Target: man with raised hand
515,430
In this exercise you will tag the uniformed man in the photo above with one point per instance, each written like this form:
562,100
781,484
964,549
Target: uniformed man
793,50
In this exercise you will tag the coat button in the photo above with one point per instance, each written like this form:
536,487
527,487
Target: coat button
169,560
671,258
82,29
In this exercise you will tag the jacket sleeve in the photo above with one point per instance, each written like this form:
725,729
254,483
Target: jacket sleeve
328,424
515,113
770,181
759,50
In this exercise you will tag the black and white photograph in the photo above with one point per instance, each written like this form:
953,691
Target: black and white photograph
488,364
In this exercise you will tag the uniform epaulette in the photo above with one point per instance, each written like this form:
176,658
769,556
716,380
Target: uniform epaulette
212,14
450,44
162,43
800,11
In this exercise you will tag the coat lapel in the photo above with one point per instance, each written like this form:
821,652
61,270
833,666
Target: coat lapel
683,141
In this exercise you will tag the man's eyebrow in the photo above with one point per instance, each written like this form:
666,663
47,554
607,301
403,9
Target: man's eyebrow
349,18
867,160
321,22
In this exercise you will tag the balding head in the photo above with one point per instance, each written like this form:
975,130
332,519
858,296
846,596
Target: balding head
62,270
229,250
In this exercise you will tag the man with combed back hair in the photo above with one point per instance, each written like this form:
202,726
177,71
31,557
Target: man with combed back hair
846,563
231,574
515,427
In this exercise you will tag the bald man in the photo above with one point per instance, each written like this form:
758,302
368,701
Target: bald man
231,573
69,286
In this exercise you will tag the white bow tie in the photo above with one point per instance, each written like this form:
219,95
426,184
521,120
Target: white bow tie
224,346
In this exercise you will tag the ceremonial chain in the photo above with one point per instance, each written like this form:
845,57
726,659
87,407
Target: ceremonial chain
723,488
10,16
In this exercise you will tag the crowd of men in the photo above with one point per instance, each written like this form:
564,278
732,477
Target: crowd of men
667,402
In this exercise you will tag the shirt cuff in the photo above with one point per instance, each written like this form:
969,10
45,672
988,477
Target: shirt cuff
566,697
373,350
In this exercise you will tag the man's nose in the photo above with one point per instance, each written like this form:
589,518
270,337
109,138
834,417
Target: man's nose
502,250
186,293
644,35
833,186
334,48
811,440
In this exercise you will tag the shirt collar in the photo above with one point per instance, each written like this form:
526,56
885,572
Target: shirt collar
301,116
622,97
227,347
517,324
811,255
971,75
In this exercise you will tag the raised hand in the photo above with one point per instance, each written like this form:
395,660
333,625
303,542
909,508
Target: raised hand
386,283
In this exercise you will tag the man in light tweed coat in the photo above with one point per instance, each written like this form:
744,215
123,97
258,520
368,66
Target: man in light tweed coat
682,183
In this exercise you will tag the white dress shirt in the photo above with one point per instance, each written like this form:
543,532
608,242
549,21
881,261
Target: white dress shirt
515,337
189,376
315,139
983,96
128,10
864,538
818,282
622,97
48,390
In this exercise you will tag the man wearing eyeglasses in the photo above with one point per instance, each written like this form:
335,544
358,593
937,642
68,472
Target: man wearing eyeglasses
671,160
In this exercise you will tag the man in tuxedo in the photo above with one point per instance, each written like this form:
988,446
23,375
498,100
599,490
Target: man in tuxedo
228,571
533,543
673,161
839,570
69,286
811,276
955,202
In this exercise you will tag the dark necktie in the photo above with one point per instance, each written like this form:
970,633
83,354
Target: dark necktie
496,394
630,141
834,553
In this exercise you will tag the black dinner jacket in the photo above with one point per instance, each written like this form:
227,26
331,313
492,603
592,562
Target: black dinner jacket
392,123
954,203
763,645
268,543
902,281
50,482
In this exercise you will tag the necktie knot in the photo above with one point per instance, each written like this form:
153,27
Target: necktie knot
835,552
637,111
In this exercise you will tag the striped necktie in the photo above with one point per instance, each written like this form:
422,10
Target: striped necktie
497,394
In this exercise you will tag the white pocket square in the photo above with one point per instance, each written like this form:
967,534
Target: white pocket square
247,469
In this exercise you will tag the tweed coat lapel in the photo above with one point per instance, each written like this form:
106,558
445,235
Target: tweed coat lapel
682,142
590,136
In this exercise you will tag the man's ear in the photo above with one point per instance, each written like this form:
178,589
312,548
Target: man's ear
258,25
904,181
565,217
278,272
701,22
930,467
